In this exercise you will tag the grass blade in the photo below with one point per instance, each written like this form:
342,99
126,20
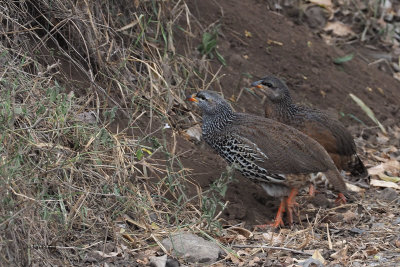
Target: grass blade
368,111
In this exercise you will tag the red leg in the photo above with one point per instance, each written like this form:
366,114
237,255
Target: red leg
311,190
341,199
290,203
279,214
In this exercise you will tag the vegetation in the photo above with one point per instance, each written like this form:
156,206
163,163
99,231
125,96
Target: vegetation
71,178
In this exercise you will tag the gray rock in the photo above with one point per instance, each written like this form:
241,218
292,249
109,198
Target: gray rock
396,221
158,261
389,194
310,262
192,248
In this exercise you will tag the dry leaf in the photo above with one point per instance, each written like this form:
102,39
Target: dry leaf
348,216
389,178
354,188
341,254
338,28
396,75
392,166
108,255
248,34
274,42
241,231
194,132
273,239
323,3
317,255
380,183
382,138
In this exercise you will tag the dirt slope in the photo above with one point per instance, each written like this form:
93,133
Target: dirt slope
293,52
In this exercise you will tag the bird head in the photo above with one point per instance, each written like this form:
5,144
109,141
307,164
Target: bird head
274,88
210,103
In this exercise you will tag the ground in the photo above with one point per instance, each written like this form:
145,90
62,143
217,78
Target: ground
310,73
293,52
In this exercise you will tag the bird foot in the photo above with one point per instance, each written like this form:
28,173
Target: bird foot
341,199
312,191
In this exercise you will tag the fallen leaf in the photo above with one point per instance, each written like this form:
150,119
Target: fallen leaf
396,75
340,254
382,138
381,183
241,231
392,166
317,255
341,60
232,98
372,251
273,238
274,42
338,28
248,34
194,132
389,178
323,3
354,188
108,255
348,216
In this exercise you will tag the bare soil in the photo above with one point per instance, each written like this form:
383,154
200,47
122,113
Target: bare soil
280,47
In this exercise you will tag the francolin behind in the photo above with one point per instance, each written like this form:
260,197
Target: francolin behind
320,126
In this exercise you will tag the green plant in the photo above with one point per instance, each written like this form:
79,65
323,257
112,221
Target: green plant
212,200
208,46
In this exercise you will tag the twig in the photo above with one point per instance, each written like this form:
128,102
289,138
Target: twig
269,247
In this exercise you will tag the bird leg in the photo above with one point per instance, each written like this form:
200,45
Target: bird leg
290,203
311,190
341,199
279,214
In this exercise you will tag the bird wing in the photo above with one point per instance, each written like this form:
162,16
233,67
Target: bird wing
286,150
329,132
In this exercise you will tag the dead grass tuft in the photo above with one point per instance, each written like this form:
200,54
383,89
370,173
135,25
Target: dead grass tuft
75,190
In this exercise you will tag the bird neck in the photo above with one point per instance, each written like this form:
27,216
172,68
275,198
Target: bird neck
285,109
215,123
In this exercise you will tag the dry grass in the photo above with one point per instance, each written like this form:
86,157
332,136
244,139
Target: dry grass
73,189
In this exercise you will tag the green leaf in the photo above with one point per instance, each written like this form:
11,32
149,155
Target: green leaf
341,60
220,58
389,178
139,154
368,111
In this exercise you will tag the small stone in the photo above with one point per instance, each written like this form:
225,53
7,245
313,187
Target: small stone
377,226
192,248
311,263
357,231
389,194
172,263
396,221
158,261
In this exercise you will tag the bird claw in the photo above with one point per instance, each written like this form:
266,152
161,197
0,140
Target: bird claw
341,199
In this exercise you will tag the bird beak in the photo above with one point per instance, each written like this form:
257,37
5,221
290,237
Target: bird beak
257,84
192,98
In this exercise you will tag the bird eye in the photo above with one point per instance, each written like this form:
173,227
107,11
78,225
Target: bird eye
267,84
201,96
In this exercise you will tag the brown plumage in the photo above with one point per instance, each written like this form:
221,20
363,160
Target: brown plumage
321,126
273,154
